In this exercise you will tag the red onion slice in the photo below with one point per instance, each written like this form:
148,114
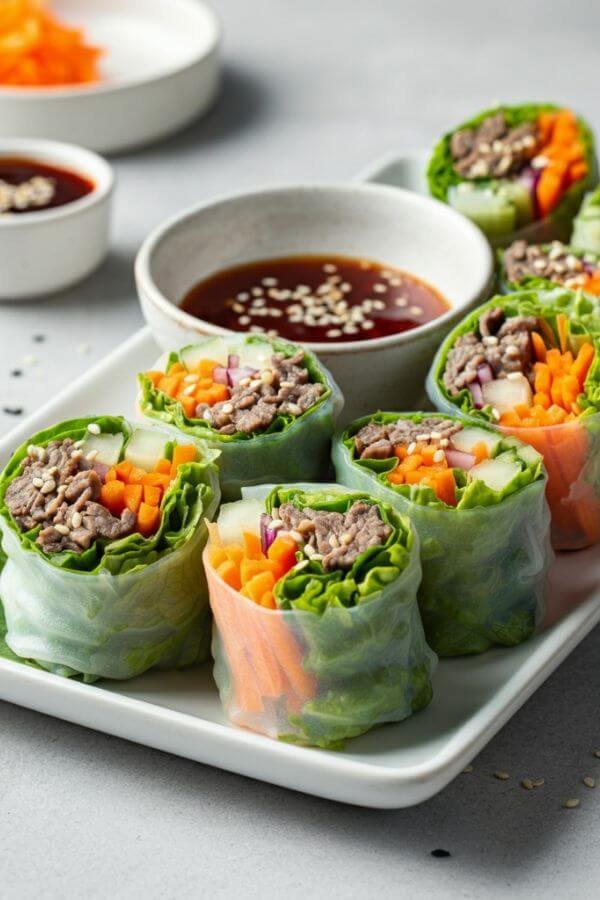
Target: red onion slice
101,469
484,373
236,375
233,361
220,375
457,459
267,534
477,395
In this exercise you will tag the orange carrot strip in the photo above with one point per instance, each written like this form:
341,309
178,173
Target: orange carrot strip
152,493
539,347
133,497
112,496
148,519
184,453
562,326
252,545
163,466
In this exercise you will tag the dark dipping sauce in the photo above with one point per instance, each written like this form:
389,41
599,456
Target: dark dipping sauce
319,299
39,186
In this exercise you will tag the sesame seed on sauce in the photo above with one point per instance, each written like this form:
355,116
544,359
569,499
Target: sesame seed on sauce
315,299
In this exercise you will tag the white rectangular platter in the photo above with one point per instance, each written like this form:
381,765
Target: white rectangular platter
394,766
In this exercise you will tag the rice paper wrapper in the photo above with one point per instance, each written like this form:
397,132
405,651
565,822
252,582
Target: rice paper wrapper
299,449
320,679
151,610
571,451
484,568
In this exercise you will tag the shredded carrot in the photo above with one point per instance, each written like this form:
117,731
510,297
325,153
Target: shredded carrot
38,50
191,386
562,147
421,467
256,572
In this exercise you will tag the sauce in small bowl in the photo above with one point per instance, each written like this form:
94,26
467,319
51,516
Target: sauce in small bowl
316,299
28,186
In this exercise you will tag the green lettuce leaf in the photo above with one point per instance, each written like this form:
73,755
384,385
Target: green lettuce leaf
484,562
290,449
122,606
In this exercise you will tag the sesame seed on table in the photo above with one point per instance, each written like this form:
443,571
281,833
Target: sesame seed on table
312,91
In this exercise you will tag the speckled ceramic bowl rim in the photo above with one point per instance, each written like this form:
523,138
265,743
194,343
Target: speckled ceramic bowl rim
64,156
154,295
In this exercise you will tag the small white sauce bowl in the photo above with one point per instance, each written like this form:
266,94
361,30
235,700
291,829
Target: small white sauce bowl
46,251
390,226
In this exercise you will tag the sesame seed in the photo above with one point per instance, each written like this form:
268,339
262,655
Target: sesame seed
30,360
259,303
191,379
401,301
439,456
329,267
501,776
257,292
467,770
378,304
345,287
48,486
275,524
514,376
244,320
76,454
589,781
512,350
62,529
368,325
527,783
237,307
76,519
83,349
37,482
243,296
411,448
571,804
333,333
422,437
294,409
490,340
415,310
257,329
91,455
32,450
93,428
597,753
495,414
380,288
270,282
189,390
444,442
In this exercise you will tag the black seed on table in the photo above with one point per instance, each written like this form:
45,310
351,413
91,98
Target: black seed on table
440,854
16,373
39,338
13,410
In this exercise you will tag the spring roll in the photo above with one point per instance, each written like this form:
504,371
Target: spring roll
477,502
268,406
528,363
516,171
317,635
103,528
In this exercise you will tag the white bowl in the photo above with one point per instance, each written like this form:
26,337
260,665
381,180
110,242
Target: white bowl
46,251
161,70
419,235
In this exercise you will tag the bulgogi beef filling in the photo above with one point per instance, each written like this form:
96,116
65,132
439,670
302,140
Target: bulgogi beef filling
58,490
282,389
376,441
555,262
493,150
338,539
503,343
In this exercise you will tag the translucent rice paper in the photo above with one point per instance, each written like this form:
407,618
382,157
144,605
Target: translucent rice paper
103,625
299,449
320,679
484,568
571,451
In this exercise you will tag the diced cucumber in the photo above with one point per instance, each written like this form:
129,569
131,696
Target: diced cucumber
494,212
212,348
109,447
520,195
256,354
529,455
469,437
496,473
235,518
586,234
146,447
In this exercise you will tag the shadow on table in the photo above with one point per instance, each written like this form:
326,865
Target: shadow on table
242,99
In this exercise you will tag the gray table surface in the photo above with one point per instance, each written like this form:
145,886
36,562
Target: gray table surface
313,90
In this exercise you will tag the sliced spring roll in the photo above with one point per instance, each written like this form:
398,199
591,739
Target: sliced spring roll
318,636
540,266
477,502
103,528
516,171
528,363
269,406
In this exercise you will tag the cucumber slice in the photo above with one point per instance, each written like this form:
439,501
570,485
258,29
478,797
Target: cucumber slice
529,455
586,234
496,473
212,348
109,447
468,438
518,194
235,518
493,212
146,447
256,354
